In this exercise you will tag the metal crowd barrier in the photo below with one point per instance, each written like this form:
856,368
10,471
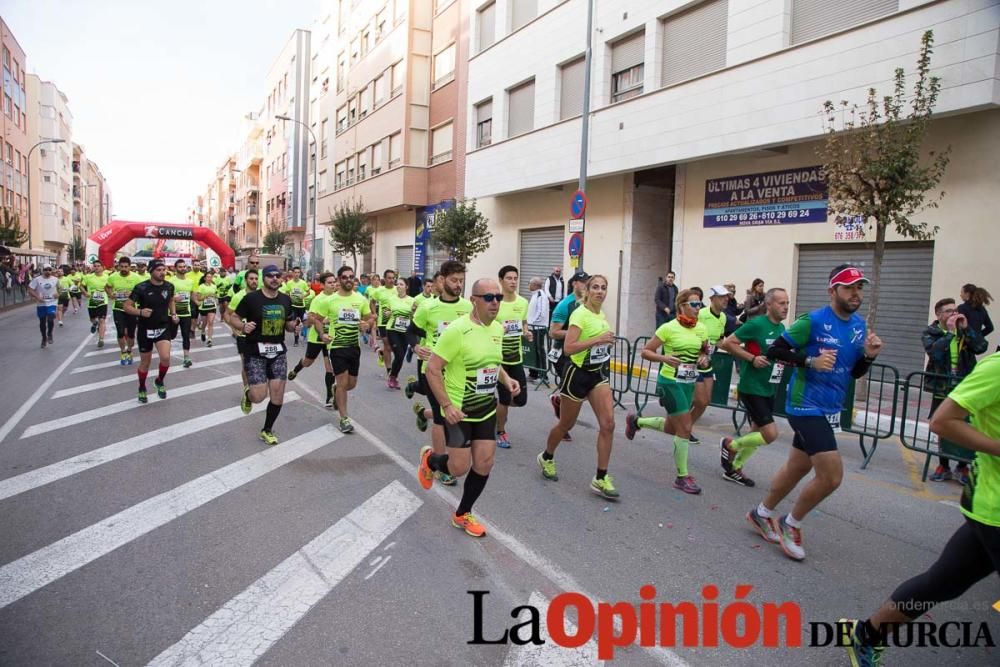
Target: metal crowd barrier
914,434
14,295
621,369
535,357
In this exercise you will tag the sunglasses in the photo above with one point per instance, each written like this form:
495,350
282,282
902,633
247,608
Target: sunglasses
490,298
272,275
254,263
695,304
347,277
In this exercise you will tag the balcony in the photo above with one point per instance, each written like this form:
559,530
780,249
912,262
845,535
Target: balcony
76,192
76,166
251,212
392,189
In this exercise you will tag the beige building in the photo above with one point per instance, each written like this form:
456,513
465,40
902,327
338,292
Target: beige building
54,171
15,142
245,234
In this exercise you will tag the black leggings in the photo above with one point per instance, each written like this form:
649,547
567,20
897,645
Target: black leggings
46,323
185,326
397,341
972,554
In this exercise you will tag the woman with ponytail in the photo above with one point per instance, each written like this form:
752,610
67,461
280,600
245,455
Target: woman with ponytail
975,299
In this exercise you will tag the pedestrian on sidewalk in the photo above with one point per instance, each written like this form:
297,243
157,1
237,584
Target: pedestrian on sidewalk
666,299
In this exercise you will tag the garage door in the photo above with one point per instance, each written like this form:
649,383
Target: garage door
541,250
404,260
904,293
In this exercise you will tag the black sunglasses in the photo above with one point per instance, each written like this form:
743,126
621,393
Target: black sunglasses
255,263
490,298
695,304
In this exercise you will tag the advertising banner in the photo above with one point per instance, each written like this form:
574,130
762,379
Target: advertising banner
790,196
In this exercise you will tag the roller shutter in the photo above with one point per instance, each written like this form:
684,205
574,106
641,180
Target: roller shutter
694,42
815,18
541,250
404,260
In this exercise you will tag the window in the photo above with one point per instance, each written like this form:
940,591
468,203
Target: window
441,138
366,99
627,66
571,77
486,26
377,158
312,201
381,23
341,71
363,164
815,18
379,89
339,182
350,171
694,42
397,74
521,12
322,137
395,150
352,110
366,38
400,9
484,123
521,109
354,50
341,119
444,66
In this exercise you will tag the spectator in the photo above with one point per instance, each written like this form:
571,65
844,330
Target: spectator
414,284
666,299
974,302
754,304
363,285
555,288
538,322
733,310
951,346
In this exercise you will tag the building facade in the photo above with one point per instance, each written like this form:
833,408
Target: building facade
692,101
54,169
14,135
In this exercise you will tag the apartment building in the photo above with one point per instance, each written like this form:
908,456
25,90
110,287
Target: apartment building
692,100
246,225
14,137
54,169
399,86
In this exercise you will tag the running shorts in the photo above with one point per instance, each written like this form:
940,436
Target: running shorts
100,312
125,324
675,397
813,435
462,434
260,370
577,383
516,372
760,409
147,338
345,360
313,350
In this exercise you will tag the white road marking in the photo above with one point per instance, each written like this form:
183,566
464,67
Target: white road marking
247,626
122,406
115,349
28,404
40,568
103,384
377,568
950,503
174,353
550,654
13,486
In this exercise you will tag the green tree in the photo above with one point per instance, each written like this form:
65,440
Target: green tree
274,242
350,232
873,163
78,248
11,233
461,230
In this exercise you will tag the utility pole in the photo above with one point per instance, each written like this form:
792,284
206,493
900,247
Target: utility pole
585,131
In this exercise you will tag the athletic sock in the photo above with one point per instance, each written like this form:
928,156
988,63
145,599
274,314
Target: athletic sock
655,423
438,462
473,487
142,379
601,472
298,367
162,373
547,456
745,447
329,385
272,414
763,511
792,521
680,454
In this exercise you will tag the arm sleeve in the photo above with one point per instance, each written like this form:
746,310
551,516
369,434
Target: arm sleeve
782,350
861,367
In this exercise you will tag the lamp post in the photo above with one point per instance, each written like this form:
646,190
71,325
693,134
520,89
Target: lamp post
28,164
312,250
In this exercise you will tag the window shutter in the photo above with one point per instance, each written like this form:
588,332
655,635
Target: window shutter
522,11
487,26
571,96
484,111
815,18
628,52
694,42
521,109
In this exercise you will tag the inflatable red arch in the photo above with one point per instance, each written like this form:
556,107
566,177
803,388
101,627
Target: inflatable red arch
106,241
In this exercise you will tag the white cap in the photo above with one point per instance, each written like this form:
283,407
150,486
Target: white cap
47,267
718,290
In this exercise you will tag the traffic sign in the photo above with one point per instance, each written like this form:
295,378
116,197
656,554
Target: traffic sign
575,246
578,205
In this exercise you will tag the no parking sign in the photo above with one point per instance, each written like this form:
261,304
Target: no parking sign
575,248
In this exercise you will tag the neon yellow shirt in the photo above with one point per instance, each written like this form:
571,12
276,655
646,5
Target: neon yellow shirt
345,314
511,316
298,291
209,297
473,353
183,287
591,325
122,286
400,312
979,395
95,287
685,344
434,316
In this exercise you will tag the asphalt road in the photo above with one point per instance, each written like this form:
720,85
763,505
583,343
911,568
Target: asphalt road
168,533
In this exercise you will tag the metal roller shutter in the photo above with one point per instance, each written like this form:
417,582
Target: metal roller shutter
815,18
694,42
487,26
541,250
571,89
629,52
904,293
404,260
521,109
522,11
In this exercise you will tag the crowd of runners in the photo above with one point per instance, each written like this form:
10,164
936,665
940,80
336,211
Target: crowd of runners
470,373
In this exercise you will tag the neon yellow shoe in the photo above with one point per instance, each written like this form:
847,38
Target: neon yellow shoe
269,437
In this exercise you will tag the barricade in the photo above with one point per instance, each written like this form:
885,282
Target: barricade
16,294
642,380
621,370
917,396
535,358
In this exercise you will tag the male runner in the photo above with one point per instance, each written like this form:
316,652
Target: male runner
314,346
250,279
381,297
758,379
44,289
184,288
268,315
714,319
93,285
300,293
513,317
827,347
463,373
152,303
253,262
76,275
119,287
64,284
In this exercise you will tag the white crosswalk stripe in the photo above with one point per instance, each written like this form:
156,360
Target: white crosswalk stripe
110,349
125,379
48,564
253,621
175,353
132,404
13,486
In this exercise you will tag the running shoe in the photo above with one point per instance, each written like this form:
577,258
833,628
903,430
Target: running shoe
727,455
208,343
142,396
961,474
736,475
395,384
381,358
268,437
50,340
292,375
121,359
548,467
60,323
245,405
503,442
687,485
345,425
861,655
424,474
694,440
93,328
161,390
100,343
631,425
409,390
791,539
469,524
604,487
764,527
187,362
330,403
418,410
445,478
941,474
128,358
556,402
43,343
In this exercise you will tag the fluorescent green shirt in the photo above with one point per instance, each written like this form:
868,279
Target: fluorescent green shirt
314,306
183,288
209,297
381,297
77,280
95,287
345,314
473,353
511,316
65,285
685,344
434,316
122,286
979,395
299,292
400,312
591,325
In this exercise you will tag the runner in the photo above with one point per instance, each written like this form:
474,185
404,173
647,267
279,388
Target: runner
588,343
463,373
65,284
236,323
340,318
557,333
400,307
223,286
680,346
758,379
513,317
184,288
973,552
76,275
206,296
93,285
119,287
432,290
267,315
44,289
314,345
827,347
300,293
714,319
253,262
152,303
382,296
428,292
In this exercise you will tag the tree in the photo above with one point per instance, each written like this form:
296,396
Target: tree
350,233
11,233
274,242
873,164
461,230
78,248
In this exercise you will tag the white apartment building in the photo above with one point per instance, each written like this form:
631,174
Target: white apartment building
51,169
691,98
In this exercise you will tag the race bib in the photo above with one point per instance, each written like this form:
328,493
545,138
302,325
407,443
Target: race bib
554,355
687,373
401,323
154,333
512,328
486,379
182,297
97,297
270,350
74,288
349,316
441,327
834,421
121,296
208,302
777,371
600,353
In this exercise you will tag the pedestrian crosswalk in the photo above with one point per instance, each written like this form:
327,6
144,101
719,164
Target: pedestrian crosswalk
126,379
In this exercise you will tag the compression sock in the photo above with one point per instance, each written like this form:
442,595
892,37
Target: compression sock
162,373
655,423
438,462
142,379
745,447
298,367
473,487
681,455
601,472
329,384
272,414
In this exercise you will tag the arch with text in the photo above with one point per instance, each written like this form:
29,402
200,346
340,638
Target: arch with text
108,240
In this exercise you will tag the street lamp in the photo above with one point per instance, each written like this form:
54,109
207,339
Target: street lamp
28,164
312,251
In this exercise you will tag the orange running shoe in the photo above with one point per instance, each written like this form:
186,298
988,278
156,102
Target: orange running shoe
469,524
424,472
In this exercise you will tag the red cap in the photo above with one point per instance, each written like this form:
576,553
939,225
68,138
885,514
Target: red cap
848,276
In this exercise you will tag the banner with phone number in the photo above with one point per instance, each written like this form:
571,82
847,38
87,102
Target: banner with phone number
790,196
